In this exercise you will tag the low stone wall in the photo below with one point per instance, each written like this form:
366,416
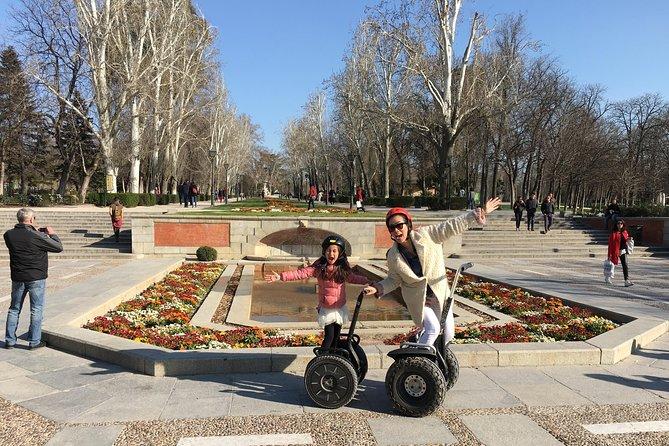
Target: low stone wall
655,229
237,237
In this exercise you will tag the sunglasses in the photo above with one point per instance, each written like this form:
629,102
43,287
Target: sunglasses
399,226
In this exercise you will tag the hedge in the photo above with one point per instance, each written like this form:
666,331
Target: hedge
644,211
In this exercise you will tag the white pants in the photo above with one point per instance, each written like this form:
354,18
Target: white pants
431,326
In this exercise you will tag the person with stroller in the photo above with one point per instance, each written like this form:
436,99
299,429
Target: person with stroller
416,265
332,271
518,207
620,243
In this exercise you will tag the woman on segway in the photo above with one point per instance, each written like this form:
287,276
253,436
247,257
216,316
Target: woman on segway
332,271
416,265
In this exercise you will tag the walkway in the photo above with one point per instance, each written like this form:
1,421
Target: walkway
50,397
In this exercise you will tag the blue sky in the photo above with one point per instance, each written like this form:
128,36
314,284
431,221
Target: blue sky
275,53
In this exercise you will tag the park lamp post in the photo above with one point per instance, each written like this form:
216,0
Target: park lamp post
212,154
226,166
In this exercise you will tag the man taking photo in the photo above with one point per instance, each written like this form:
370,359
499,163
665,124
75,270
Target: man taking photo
29,266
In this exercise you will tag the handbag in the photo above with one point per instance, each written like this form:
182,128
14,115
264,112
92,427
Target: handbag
609,268
630,245
358,204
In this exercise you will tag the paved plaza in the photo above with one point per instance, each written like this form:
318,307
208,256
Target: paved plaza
51,397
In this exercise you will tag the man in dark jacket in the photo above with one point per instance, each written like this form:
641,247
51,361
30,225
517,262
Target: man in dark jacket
29,266
531,207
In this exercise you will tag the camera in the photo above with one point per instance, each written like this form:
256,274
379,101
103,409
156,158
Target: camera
42,230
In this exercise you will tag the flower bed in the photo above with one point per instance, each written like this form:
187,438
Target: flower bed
541,319
276,205
161,314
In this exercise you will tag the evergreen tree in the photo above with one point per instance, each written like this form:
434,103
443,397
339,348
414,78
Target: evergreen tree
23,140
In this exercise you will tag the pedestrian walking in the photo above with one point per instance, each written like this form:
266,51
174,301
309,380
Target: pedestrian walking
360,199
531,207
116,214
332,271
416,265
518,207
312,197
548,209
612,212
185,188
180,193
29,250
471,196
619,244
194,192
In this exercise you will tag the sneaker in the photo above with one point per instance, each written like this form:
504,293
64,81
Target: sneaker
36,346
8,345
607,280
628,283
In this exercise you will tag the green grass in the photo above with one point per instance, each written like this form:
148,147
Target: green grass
246,206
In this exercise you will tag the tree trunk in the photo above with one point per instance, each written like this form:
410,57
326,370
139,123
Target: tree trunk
83,190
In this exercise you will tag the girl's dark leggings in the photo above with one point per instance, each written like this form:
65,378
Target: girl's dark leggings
331,336
519,218
623,262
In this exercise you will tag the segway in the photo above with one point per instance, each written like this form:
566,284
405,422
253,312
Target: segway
421,375
332,377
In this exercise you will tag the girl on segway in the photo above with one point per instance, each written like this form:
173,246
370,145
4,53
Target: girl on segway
416,265
332,271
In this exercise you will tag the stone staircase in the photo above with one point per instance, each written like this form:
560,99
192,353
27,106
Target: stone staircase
566,239
84,234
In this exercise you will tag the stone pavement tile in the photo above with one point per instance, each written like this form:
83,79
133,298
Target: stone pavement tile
516,375
9,371
23,388
508,430
359,403
473,379
86,436
479,399
126,407
266,382
245,403
405,431
184,404
71,377
204,385
65,406
124,383
652,379
601,386
46,359
546,395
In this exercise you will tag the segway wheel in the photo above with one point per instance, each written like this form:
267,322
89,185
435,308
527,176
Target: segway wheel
362,362
453,368
416,386
359,356
331,381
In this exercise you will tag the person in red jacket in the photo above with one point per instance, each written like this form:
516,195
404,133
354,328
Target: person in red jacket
312,197
618,249
332,271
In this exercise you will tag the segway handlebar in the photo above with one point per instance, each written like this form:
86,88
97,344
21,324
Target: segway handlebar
356,312
460,270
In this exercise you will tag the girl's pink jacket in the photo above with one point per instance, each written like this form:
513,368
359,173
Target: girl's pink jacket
331,294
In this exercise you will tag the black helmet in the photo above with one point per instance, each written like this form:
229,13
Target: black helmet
334,240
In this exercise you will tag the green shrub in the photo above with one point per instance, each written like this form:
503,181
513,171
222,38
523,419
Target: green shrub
404,201
71,199
436,204
206,254
644,211
146,199
14,200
